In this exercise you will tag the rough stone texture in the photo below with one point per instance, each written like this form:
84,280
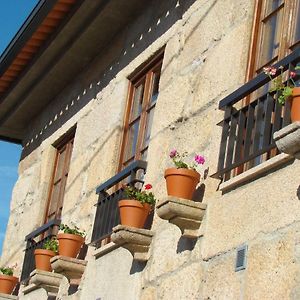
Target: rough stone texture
205,59
288,139
32,293
137,241
186,214
48,281
191,277
116,267
72,268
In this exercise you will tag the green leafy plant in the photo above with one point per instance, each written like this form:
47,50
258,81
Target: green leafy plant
66,229
143,196
178,158
51,245
9,271
284,89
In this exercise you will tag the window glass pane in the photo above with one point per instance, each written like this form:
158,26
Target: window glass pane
54,198
132,139
60,163
150,115
155,86
271,38
137,101
271,5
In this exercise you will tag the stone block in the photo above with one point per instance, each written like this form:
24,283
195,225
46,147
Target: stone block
48,281
72,268
221,281
271,267
137,241
185,284
186,214
32,292
287,139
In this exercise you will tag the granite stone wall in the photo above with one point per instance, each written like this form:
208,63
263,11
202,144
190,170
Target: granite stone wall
205,59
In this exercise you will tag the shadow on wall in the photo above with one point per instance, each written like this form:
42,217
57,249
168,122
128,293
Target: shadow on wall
160,16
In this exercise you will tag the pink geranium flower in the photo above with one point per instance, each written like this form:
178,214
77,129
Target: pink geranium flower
173,153
199,159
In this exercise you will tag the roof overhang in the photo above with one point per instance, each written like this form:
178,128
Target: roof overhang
76,42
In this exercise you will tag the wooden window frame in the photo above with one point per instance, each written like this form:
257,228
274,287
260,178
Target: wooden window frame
286,44
286,35
67,141
145,72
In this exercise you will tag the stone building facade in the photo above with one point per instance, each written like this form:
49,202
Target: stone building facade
207,54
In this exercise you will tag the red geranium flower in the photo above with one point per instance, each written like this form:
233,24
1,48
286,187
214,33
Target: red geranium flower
148,186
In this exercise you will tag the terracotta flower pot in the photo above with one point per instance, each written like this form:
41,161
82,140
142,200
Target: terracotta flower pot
295,105
7,284
42,259
69,244
181,182
133,213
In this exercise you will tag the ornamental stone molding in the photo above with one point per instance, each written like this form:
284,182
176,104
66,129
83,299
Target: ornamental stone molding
47,281
186,214
137,241
71,268
287,139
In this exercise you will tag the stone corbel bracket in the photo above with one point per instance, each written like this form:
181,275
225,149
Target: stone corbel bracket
7,297
48,281
137,241
71,268
287,139
186,214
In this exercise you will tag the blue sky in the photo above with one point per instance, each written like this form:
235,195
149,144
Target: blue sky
12,15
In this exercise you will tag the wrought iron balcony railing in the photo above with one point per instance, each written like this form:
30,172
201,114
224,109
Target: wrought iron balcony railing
251,115
35,240
107,214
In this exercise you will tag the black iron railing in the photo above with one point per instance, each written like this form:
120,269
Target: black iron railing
248,127
35,240
107,214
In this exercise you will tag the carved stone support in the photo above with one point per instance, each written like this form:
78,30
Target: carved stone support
48,281
71,268
137,241
7,297
287,139
186,214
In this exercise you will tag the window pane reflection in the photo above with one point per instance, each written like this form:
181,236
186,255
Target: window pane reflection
271,38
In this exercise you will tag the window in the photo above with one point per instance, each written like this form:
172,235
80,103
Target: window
142,96
276,32
59,177
253,114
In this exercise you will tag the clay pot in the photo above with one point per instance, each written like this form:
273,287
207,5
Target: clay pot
133,213
181,182
42,259
295,105
69,244
7,284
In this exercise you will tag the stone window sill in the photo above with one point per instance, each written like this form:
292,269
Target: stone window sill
255,172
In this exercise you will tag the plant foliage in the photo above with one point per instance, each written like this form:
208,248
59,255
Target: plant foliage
51,245
143,196
66,229
284,89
